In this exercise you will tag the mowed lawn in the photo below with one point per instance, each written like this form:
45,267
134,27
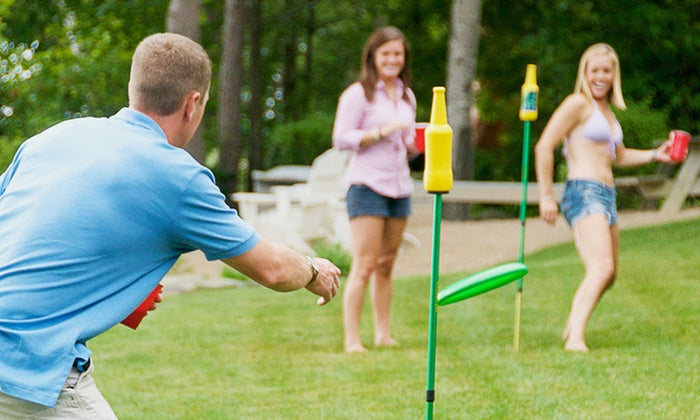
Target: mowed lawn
250,353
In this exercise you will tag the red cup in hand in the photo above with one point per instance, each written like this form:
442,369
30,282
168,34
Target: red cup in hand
419,140
134,319
679,145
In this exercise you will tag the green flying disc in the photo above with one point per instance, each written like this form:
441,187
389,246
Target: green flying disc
481,282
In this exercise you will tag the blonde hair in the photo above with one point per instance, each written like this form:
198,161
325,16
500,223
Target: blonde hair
368,71
615,95
165,68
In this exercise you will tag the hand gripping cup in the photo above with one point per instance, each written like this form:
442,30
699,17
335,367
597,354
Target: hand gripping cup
134,319
419,140
679,145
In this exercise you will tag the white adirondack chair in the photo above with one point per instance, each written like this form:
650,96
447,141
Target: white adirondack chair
296,214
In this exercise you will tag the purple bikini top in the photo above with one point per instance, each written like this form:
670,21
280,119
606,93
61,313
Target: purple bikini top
597,129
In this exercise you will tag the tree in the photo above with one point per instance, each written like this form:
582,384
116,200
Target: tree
183,18
461,69
229,112
255,105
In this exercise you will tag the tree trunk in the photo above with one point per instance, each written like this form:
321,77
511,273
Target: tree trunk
183,18
229,112
309,53
255,106
461,69
294,95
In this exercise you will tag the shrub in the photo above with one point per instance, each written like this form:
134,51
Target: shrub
335,253
299,142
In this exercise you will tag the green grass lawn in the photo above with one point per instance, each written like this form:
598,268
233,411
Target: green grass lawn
250,353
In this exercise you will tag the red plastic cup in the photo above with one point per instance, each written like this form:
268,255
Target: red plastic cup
134,319
679,145
419,140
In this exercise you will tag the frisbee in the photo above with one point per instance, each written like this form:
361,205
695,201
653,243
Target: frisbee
481,282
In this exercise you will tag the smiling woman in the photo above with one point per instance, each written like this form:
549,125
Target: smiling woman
592,140
375,120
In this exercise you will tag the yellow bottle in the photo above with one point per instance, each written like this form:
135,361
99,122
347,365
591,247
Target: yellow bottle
529,92
437,177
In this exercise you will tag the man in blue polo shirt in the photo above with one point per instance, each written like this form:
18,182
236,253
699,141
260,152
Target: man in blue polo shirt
95,211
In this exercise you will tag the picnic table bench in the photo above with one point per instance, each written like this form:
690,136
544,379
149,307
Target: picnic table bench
661,186
650,187
279,175
489,192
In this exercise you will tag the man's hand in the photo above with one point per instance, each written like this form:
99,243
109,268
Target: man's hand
157,299
327,281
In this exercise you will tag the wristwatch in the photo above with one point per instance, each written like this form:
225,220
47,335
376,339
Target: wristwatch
314,270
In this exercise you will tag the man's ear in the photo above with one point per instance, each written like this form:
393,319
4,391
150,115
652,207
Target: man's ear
191,104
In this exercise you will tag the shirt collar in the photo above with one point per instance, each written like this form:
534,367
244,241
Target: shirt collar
134,117
381,86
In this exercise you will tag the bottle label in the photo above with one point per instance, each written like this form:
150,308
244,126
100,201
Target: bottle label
529,102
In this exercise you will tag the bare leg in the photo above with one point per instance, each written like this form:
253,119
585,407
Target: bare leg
597,245
366,246
382,286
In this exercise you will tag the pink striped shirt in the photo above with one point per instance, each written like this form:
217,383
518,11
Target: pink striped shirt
383,166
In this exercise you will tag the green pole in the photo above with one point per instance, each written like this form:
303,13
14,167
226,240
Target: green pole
521,253
528,112
432,326
523,198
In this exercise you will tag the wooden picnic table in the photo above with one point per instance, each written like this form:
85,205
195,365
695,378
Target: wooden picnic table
686,182
650,187
279,175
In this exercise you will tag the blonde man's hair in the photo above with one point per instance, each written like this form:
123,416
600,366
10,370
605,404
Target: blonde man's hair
615,95
165,68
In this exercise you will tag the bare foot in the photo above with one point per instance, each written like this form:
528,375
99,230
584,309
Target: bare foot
355,348
386,342
577,347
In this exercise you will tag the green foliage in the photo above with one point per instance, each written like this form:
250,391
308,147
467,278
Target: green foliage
17,67
299,142
643,126
230,273
84,56
280,348
659,57
311,52
335,253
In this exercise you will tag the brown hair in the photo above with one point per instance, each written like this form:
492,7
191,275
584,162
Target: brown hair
165,68
368,73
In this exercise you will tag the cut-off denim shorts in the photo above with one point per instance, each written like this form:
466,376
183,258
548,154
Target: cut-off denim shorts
583,198
363,201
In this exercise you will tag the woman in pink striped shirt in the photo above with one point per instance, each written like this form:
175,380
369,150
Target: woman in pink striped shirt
375,120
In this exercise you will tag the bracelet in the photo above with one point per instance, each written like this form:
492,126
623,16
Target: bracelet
547,196
654,153
379,134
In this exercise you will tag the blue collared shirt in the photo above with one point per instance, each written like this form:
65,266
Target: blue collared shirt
93,213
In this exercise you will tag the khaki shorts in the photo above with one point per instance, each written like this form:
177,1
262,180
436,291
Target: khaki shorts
79,399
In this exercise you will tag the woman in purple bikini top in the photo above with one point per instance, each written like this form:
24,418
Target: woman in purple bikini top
588,202
597,129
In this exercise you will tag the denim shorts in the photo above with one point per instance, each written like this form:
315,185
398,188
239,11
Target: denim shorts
362,201
583,198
